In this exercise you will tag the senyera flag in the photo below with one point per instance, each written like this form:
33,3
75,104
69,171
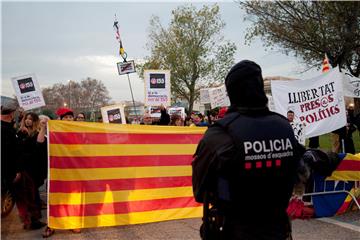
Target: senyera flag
348,169
113,174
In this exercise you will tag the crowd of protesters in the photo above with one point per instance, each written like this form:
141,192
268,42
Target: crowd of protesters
24,159
24,151
195,119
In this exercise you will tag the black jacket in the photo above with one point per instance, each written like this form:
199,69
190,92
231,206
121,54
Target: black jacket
9,153
248,161
164,118
33,157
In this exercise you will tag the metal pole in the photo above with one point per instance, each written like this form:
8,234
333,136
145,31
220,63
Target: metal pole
132,96
70,94
342,145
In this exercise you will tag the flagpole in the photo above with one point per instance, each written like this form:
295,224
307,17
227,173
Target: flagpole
132,96
123,54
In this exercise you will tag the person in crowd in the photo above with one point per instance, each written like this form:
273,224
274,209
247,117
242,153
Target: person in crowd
147,119
164,117
345,142
199,120
250,149
314,142
33,172
65,114
176,120
210,117
80,117
222,112
350,128
10,171
188,122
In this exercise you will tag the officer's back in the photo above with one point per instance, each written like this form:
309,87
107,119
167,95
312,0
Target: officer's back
247,161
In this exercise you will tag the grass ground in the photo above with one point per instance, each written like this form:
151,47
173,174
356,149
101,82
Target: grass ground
325,141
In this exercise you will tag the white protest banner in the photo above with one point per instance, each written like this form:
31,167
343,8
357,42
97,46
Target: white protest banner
157,87
28,91
317,102
351,85
113,114
218,97
204,96
271,104
299,131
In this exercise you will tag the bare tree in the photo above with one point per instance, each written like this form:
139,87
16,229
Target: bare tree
88,95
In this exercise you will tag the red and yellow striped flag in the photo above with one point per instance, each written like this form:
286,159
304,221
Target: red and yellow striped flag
325,65
348,169
110,174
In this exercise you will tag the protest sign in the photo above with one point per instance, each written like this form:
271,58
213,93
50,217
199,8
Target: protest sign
204,96
177,111
126,67
317,102
155,111
28,92
157,87
218,97
351,85
271,104
113,114
299,131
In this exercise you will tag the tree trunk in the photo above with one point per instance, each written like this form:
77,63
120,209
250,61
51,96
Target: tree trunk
191,101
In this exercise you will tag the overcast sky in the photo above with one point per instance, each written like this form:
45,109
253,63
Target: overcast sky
61,41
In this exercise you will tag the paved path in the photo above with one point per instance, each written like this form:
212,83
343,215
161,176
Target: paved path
336,228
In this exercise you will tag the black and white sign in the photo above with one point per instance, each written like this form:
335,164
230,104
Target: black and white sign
126,67
26,85
157,87
113,114
28,92
157,80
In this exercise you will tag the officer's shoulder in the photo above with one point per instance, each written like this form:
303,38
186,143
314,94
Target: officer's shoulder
218,131
227,120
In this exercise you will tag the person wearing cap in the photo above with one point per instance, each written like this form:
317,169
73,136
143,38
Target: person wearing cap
9,147
247,163
222,112
65,114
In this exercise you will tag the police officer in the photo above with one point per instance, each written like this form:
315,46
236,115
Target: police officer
246,164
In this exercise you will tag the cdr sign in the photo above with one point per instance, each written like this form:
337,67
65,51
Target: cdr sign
126,67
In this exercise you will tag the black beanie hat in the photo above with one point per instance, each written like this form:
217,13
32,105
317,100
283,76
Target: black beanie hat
245,85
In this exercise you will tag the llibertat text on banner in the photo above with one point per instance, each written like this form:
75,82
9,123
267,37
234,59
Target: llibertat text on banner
317,102
157,87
